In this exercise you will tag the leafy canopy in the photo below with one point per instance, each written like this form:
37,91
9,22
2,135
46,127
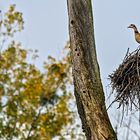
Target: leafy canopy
33,104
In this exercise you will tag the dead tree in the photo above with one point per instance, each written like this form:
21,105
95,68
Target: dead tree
87,83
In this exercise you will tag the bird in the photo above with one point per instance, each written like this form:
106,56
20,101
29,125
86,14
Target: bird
136,32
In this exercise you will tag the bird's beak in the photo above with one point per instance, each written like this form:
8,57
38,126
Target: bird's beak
129,26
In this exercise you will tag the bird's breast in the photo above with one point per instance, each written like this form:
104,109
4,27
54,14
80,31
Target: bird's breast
137,37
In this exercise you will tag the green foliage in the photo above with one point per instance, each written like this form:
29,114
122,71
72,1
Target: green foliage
12,22
33,104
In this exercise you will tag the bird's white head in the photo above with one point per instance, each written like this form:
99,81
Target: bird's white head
132,26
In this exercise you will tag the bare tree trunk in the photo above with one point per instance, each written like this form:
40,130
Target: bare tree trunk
88,87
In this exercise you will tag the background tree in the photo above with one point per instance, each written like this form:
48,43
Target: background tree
33,104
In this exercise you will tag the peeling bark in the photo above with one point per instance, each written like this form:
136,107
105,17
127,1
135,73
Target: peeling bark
87,83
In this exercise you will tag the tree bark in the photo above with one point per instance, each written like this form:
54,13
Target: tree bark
87,83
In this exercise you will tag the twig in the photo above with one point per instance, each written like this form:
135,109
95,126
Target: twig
33,123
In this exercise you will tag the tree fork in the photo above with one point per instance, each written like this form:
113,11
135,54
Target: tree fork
87,83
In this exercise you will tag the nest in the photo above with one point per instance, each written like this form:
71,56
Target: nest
125,81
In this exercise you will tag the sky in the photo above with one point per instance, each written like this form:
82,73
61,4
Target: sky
46,29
